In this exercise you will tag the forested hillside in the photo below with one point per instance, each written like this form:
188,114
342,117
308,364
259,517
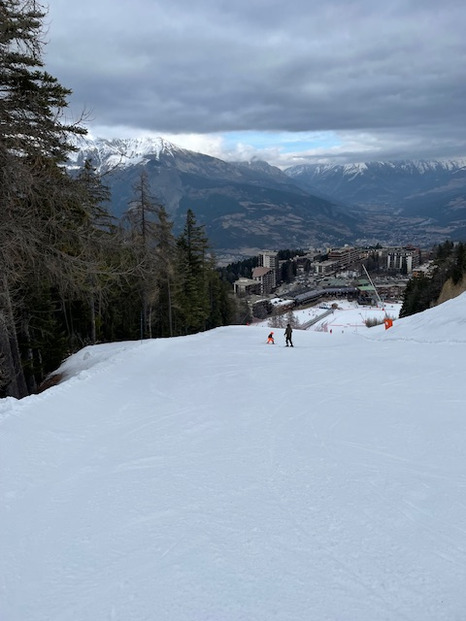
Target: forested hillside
425,291
69,274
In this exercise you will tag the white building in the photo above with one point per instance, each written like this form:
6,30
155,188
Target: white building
403,259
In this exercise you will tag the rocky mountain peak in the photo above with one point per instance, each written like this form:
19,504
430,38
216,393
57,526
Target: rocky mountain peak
106,153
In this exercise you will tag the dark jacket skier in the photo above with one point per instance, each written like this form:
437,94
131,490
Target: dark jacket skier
288,333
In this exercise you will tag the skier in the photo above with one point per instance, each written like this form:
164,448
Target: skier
288,333
270,339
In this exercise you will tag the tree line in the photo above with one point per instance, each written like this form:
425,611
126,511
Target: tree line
422,292
70,274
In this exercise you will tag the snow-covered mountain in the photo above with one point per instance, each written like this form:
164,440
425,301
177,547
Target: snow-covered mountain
382,182
251,205
244,205
407,167
394,184
106,154
214,477
419,198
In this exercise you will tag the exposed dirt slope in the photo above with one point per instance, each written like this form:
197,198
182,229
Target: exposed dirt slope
450,291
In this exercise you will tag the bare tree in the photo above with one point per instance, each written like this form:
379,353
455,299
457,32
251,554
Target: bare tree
34,141
143,234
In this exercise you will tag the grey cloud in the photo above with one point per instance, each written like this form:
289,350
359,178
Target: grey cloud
218,66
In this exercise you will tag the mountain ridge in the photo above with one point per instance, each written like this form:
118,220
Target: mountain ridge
147,145
410,165
246,205
243,205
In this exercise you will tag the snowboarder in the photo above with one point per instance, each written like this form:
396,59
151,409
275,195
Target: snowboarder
270,339
288,333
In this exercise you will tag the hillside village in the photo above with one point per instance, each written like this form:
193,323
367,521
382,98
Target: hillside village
368,275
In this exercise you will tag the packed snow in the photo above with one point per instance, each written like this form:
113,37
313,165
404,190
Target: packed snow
217,478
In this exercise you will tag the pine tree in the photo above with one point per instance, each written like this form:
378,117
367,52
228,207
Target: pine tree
34,140
459,265
166,277
221,305
202,298
192,295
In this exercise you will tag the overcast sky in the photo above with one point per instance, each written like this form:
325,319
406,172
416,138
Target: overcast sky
289,82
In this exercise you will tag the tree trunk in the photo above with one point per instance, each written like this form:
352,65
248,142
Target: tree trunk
14,381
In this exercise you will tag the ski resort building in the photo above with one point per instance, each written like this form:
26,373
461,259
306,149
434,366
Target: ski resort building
344,257
266,278
402,259
269,260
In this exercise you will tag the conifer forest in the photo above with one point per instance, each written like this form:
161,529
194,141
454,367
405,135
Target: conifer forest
70,274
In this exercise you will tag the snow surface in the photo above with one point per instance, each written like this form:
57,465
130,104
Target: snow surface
217,478
345,316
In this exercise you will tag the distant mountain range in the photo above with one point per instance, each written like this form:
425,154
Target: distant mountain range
247,206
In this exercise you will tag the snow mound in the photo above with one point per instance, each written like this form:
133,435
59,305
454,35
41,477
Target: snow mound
445,323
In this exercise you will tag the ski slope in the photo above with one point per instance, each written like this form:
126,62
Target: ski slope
217,478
